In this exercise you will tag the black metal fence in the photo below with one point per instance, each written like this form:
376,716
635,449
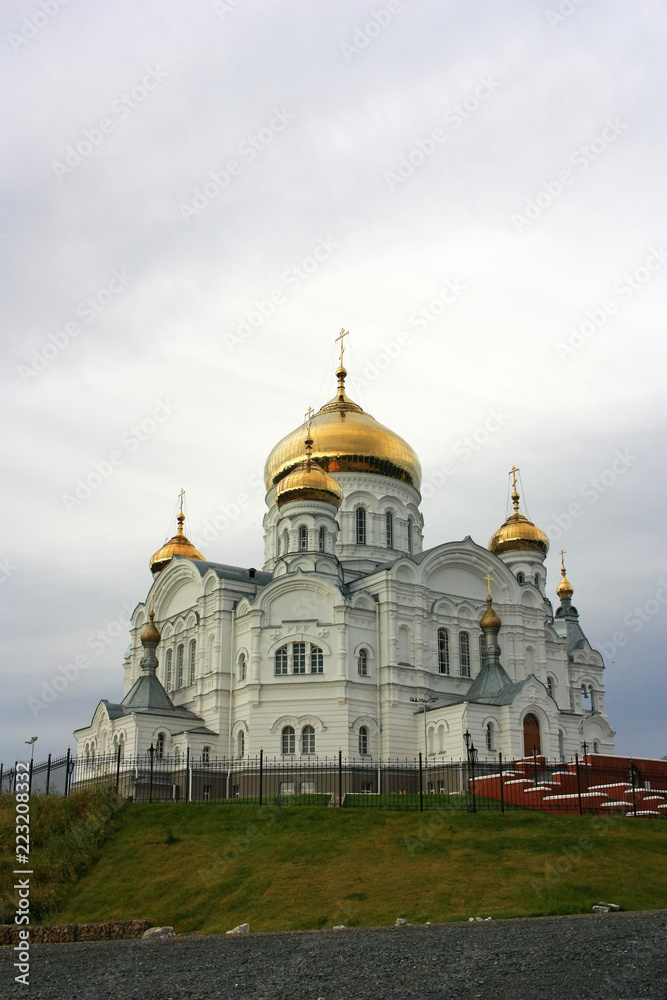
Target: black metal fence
581,786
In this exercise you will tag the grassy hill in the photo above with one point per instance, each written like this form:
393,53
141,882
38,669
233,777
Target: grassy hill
205,868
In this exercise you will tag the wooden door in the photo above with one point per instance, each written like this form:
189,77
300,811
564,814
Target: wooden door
531,735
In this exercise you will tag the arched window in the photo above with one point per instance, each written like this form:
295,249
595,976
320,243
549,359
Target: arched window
303,538
285,547
550,686
360,526
362,663
177,755
531,735
119,744
490,742
537,579
404,645
205,755
520,578
596,746
298,657
430,740
167,672
586,699
363,740
321,540
193,659
307,740
281,660
180,658
316,660
410,540
443,650
441,739
389,529
240,744
242,670
561,744
464,654
159,746
288,740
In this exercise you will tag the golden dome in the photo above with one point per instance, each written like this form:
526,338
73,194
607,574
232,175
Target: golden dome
179,545
564,588
150,632
309,482
345,439
518,534
489,619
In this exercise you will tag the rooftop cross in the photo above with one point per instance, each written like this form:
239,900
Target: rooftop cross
562,560
489,581
513,472
180,497
341,336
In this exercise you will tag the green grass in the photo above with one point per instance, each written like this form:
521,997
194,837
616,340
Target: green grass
205,868
65,839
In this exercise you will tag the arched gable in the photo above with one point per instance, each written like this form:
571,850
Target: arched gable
459,568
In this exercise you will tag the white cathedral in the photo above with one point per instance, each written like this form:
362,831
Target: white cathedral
353,636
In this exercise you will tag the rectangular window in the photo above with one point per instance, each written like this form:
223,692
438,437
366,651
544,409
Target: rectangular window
207,792
366,786
298,657
443,650
180,655
464,654
193,657
236,791
281,660
441,788
307,787
287,788
316,660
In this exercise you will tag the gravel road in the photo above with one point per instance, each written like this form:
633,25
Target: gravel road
618,956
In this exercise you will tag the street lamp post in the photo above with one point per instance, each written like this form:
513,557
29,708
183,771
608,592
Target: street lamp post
31,743
424,702
472,753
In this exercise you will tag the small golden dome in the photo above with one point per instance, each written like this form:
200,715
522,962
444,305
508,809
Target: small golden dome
309,482
489,619
345,439
179,545
150,632
564,588
518,534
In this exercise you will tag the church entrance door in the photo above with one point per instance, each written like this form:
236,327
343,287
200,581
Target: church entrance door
531,735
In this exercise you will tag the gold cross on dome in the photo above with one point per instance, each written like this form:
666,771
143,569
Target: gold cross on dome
309,415
180,497
513,472
489,581
562,559
341,335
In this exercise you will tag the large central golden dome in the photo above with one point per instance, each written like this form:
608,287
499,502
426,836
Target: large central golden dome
345,439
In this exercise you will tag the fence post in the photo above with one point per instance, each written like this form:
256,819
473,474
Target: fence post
117,767
472,773
151,753
633,778
535,765
1,767
187,774
576,763
502,790
48,774
67,764
261,775
340,778
421,785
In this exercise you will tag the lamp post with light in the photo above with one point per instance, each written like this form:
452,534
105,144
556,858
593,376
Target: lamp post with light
424,702
472,753
31,743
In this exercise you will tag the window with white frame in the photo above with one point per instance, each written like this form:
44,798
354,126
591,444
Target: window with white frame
303,538
550,686
205,755
464,654
307,740
159,746
321,540
490,741
363,740
281,660
240,744
362,663
360,526
180,665
168,670
288,740
193,660
316,660
242,667
410,538
298,657
443,651
389,529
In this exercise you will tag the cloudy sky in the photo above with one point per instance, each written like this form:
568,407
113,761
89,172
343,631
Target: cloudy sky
198,196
